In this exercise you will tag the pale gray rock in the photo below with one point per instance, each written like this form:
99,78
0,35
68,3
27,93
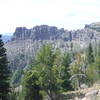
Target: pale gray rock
92,93
83,86
25,43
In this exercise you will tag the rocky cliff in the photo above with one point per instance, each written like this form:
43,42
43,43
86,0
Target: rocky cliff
25,43
45,32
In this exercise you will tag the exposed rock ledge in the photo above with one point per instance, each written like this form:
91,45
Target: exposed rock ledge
92,93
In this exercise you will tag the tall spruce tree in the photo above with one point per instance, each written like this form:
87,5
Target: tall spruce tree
90,56
4,73
30,88
66,82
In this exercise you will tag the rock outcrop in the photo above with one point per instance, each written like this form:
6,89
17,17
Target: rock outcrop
92,93
25,43
45,32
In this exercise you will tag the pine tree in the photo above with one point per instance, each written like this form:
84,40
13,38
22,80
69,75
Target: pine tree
90,56
66,62
30,88
48,70
4,73
98,51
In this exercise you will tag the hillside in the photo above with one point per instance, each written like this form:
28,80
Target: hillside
64,70
26,42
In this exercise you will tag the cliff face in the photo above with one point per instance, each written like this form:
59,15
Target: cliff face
42,32
25,43
94,26
21,33
45,32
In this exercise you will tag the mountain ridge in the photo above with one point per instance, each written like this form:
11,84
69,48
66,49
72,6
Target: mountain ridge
25,43
45,32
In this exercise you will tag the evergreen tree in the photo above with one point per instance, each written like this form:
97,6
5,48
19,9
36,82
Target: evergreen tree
93,64
49,71
4,73
30,88
77,71
98,51
89,54
66,62
93,73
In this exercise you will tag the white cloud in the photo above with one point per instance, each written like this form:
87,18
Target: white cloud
70,14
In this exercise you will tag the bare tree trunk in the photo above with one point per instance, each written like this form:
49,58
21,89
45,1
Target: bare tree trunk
51,95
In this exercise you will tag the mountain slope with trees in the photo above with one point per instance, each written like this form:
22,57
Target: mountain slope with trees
47,62
25,43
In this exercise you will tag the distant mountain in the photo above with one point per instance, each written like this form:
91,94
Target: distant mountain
25,43
6,38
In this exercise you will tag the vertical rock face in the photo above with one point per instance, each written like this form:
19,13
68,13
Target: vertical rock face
45,32
21,33
25,43
42,32
94,26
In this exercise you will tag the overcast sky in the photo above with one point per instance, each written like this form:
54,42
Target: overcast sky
70,14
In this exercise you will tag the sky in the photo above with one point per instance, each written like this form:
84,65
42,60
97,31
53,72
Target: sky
68,14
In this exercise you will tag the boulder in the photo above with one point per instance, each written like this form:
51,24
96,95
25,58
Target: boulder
92,93
83,86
